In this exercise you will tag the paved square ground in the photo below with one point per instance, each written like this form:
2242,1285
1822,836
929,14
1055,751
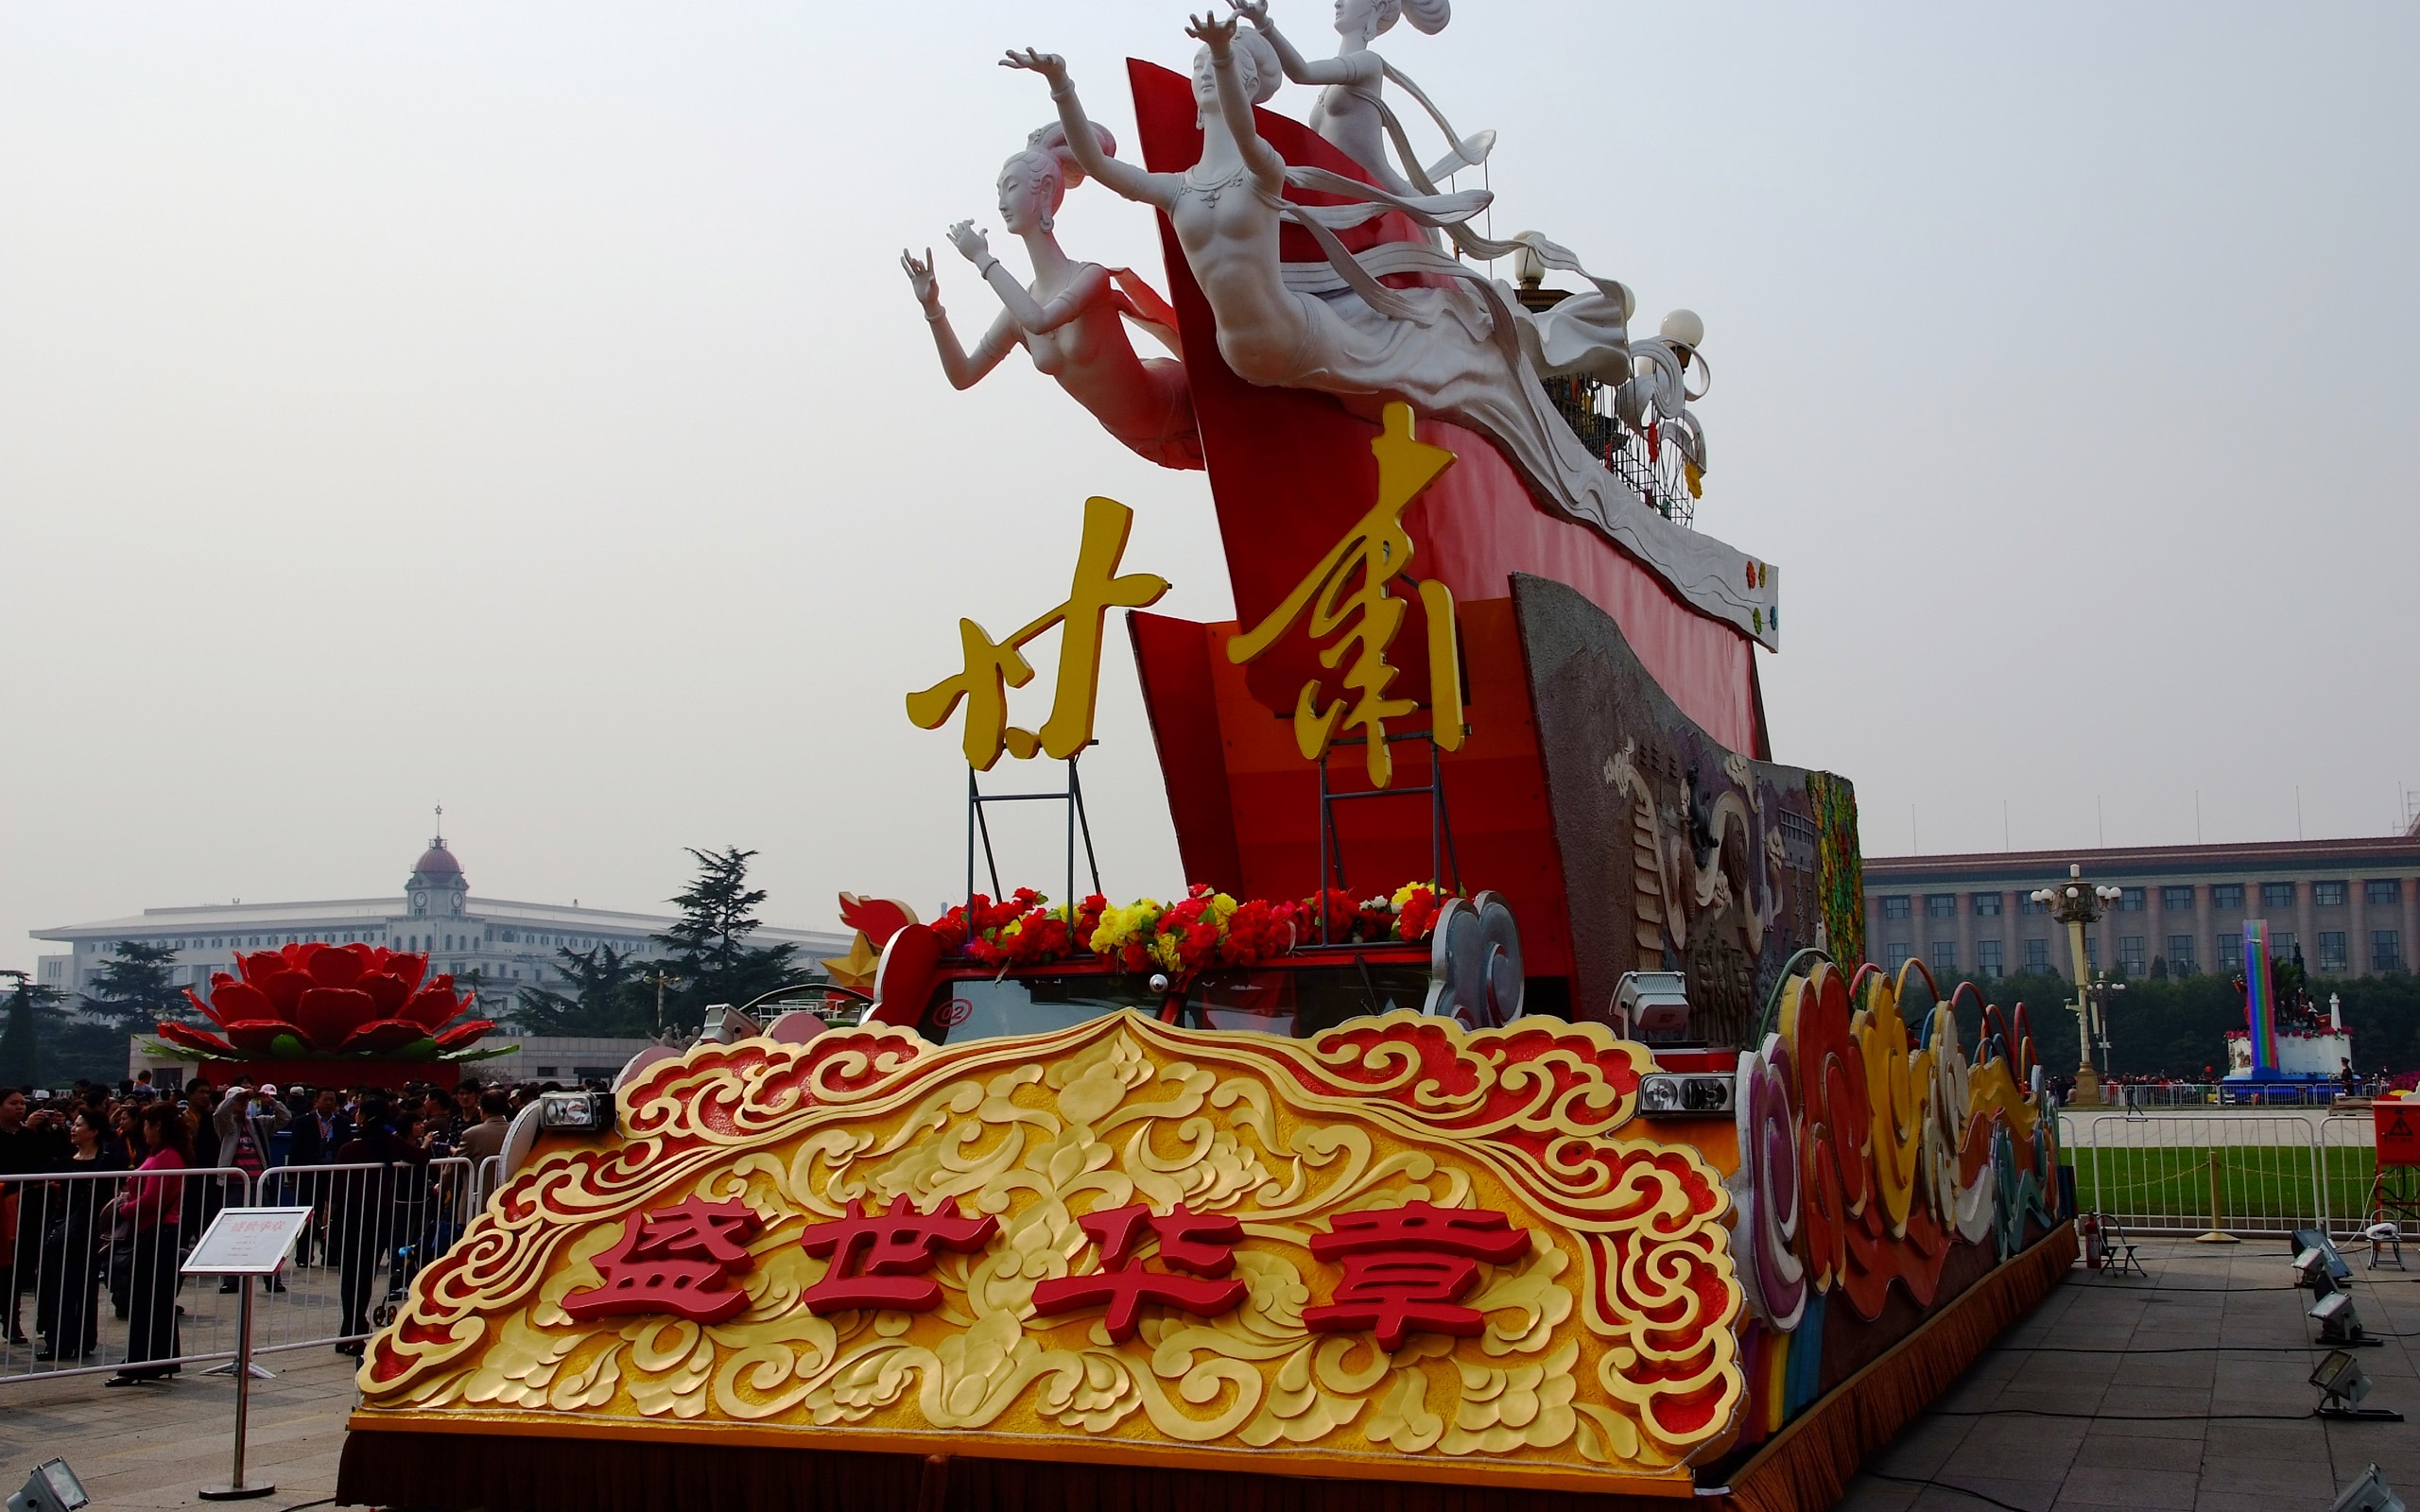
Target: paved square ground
154,1445
2183,1391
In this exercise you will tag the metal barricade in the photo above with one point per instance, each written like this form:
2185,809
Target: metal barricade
2252,1173
2242,1173
2348,1153
2150,1096
488,1177
373,1227
96,1254
107,1295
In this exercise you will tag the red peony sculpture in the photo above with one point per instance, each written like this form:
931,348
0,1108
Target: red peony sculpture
327,1001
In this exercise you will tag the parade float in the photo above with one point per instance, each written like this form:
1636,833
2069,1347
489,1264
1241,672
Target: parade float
2286,1047
1503,1115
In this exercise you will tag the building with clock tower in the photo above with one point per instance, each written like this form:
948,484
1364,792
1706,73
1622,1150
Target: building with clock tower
438,888
491,946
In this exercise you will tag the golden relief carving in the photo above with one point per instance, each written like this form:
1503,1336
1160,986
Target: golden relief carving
1607,1350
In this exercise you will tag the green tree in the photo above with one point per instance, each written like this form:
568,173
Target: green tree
710,956
133,987
21,1042
74,1047
607,997
2178,1026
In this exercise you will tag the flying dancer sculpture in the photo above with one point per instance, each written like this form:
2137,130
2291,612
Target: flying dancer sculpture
1352,112
1071,318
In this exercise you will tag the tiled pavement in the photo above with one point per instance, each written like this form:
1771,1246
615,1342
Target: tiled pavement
2164,1423
154,1445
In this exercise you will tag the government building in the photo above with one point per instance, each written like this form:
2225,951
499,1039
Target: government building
510,945
2351,906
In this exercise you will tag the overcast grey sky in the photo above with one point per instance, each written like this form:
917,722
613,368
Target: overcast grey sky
520,406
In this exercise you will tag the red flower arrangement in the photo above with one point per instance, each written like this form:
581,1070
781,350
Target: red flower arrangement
1416,910
1020,930
319,1002
1408,914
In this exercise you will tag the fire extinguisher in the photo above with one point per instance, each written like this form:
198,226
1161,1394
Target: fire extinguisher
2094,1248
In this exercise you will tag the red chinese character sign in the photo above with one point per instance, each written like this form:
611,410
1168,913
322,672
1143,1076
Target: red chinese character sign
880,1261
1196,1242
1399,1249
678,1260
1407,1270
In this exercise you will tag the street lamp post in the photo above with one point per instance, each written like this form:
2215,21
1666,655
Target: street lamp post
2075,905
2102,991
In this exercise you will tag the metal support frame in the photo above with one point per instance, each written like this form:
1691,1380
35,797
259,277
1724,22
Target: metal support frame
236,1490
1442,859
1079,823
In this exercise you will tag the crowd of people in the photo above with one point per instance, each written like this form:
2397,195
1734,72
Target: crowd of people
99,1204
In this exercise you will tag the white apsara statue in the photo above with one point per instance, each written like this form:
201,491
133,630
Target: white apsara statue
1352,112
1071,320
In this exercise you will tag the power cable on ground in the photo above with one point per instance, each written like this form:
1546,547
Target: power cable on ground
1949,1485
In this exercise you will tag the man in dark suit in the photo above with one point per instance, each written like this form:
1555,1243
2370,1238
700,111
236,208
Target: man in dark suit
365,1208
315,1137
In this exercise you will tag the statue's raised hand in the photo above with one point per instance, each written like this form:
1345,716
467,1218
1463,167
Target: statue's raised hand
1214,33
1256,11
969,242
920,277
1049,65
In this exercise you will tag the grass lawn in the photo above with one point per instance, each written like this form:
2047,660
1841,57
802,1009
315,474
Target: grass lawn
2260,1186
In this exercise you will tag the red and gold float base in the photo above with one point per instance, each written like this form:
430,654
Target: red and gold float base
1395,1252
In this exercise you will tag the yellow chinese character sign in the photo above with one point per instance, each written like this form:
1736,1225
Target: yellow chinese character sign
1353,615
993,667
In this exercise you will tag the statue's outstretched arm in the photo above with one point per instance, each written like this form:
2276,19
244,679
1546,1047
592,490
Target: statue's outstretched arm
1089,284
1235,106
1300,69
963,370
1155,189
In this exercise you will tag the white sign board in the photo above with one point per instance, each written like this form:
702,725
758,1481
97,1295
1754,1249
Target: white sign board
247,1241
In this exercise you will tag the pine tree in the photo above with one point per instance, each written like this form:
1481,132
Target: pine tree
133,985
21,1042
710,955
607,997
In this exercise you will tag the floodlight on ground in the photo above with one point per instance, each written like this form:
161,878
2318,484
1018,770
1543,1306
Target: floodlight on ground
2344,1383
2307,1239
2369,1494
2338,1322
52,1487
2311,1269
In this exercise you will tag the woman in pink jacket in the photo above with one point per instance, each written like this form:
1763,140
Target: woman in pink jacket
154,1201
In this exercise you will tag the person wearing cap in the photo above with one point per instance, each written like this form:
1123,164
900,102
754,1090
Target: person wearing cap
280,1134
246,1120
